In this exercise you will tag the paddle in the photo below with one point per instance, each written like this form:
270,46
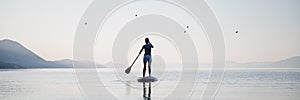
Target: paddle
127,71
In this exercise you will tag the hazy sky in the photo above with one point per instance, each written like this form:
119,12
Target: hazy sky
268,29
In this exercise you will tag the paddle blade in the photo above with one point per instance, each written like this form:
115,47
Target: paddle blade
127,71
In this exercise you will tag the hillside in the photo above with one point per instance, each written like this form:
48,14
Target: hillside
292,62
13,55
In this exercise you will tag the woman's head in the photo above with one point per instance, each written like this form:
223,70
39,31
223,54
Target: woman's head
146,40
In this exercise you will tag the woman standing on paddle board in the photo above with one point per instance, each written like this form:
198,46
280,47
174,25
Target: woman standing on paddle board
147,56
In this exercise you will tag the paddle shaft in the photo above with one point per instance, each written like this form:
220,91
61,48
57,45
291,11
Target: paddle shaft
135,60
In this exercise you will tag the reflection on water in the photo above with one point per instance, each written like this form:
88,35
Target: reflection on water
38,84
147,97
9,88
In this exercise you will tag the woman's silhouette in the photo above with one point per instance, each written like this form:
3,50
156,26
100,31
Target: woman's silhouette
147,56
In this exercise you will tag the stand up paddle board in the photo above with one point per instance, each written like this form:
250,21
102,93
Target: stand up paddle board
147,79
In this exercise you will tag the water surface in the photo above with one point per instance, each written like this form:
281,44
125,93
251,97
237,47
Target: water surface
238,84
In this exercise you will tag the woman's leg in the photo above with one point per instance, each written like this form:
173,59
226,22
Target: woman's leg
144,69
149,65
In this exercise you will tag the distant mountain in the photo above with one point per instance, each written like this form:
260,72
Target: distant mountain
11,52
83,64
292,62
14,55
4,65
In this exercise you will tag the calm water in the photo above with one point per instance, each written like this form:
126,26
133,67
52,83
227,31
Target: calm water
238,84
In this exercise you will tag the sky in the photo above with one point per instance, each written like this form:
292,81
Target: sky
268,29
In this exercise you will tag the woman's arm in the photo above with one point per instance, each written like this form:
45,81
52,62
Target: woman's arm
141,50
151,45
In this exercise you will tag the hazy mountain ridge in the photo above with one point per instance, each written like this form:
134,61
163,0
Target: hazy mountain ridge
292,62
13,55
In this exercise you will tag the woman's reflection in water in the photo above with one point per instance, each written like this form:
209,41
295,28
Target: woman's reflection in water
147,97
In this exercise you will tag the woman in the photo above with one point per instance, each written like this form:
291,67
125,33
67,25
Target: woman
147,56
